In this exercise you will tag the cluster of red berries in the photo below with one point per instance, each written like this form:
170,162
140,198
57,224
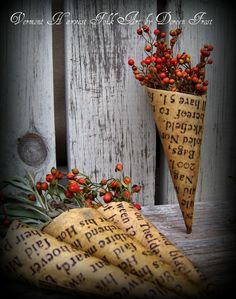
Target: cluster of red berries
64,191
161,69
81,190
51,178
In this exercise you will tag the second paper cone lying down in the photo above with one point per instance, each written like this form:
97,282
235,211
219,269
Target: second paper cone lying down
29,255
137,226
179,118
87,229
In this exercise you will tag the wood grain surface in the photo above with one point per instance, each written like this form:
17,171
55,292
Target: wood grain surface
109,119
27,103
211,246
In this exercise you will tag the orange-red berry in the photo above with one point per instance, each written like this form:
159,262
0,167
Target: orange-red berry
119,167
137,206
70,175
107,197
127,180
136,188
49,177
68,194
82,181
38,186
126,194
74,187
44,186
31,197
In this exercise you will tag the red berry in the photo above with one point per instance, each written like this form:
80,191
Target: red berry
163,34
209,61
74,187
156,31
163,59
38,186
68,194
210,47
113,184
103,182
198,86
82,181
44,186
162,75
194,79
195,69
167,55
126,194
107,197
139,31
158,67
179,74
139,77
127,180
171,81
148,48
166,80
31,197
136,188
146,28
70,175
131,62
153,59
173,33
49,177
137,206
60,175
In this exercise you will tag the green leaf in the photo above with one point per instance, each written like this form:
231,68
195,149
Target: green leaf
61,187
25,210
19,185
24,199
20,179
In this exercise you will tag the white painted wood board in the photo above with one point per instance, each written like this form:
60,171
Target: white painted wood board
109,119
27,103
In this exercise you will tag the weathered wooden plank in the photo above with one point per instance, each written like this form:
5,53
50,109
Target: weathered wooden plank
211,245
218,148
108,114
27,108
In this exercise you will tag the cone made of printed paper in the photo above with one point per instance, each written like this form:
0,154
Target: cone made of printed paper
179,118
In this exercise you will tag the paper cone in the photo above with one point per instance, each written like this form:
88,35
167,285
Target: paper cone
86,229
179,118
29,255
137,226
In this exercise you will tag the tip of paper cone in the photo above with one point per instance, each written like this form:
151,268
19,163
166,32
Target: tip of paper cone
189,230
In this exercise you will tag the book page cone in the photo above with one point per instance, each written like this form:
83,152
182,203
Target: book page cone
86,229
179,118
31,256
138,227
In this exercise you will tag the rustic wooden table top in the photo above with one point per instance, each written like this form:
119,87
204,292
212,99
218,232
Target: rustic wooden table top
211,246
